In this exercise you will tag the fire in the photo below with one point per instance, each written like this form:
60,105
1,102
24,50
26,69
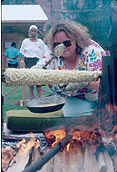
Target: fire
37,143
22,143
110,108
54,136
82,136
107,121
91,138
68,146
25,145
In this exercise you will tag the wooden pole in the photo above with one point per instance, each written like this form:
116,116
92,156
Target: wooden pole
24,97
37,165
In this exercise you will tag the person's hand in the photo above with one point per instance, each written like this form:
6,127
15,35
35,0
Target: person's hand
10,59
75,86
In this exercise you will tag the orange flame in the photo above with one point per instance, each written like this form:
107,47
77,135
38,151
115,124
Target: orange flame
110,108
25,146
21,143
84,137
68,146
54,136
107,121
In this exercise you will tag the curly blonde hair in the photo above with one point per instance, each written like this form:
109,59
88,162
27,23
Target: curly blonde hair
73,30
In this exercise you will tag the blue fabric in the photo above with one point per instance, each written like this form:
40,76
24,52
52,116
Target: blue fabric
78,107
20,55
12,52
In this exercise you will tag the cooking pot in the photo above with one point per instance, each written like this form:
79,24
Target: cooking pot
46,104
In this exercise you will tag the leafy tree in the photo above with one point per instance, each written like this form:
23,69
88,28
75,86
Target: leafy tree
17,2
93,14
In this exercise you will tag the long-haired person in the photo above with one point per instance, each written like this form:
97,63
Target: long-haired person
81,53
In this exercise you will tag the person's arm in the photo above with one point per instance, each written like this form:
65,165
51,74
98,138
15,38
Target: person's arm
15,57
94,85
79,85
8,58
22,57
41,63
95,62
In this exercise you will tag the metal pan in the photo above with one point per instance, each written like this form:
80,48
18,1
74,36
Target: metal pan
46,104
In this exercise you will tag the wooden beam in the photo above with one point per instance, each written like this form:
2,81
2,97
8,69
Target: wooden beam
24,97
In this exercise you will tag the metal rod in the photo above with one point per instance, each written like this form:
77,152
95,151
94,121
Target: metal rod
47,156
44,67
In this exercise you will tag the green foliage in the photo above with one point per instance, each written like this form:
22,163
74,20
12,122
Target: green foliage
18,2
93,14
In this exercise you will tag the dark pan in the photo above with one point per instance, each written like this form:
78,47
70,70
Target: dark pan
43,104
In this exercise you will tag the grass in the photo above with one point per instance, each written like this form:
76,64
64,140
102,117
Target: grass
10,100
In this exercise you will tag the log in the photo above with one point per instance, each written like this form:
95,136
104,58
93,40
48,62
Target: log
81,170
35,155
108,162
101,163
49,165
73,159
50,154
20,161
80,157
65,160
90,162
59,164
7,155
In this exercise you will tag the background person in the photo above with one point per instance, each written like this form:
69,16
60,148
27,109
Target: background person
12,54
32,50
81,53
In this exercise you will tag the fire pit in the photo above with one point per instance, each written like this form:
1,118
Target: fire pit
77,149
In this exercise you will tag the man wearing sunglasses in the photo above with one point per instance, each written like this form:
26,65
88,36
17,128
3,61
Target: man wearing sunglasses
80,53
